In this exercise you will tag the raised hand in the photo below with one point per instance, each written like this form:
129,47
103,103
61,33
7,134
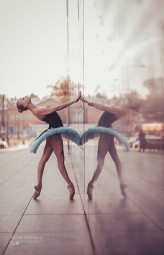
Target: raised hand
78,97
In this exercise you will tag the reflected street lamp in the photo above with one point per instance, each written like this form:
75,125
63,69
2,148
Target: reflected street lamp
127,70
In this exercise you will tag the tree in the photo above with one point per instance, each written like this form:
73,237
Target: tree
154,104
155,86
63,89
128,98
101,95
33,95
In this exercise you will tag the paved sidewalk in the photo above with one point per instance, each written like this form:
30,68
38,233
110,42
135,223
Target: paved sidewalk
107,225
52,224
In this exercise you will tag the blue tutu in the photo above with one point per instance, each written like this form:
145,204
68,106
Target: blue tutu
74,136
66,132
92,133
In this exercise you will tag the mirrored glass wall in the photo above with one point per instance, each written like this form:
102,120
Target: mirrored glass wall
115,58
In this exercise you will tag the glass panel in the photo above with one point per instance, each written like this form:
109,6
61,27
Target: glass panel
75,31
116,59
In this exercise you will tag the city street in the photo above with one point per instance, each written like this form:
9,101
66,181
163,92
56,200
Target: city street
109,224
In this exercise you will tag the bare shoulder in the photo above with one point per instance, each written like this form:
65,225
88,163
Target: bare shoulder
40,112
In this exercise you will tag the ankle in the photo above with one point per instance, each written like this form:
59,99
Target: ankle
70,184
90,184
39,186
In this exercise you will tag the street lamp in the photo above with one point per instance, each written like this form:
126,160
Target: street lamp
127,89
127,71
4,118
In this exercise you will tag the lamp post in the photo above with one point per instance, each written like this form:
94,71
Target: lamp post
4,119
127,70
127,89
7,122
3,114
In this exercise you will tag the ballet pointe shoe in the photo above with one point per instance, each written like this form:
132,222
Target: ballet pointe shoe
37,191
89,191
71,189
123,189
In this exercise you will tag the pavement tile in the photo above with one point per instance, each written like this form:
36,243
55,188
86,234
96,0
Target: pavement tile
54,243
8,223
129,243
54,225
55,205
158,218
112,204
146,202
106,223
11,204
4,239
49,223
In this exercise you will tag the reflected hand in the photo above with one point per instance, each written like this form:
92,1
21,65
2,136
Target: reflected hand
83,99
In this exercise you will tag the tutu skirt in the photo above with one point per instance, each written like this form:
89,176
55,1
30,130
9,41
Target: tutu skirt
74,136
92,133
66,132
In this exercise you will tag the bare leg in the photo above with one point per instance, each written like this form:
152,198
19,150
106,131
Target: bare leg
57,146
46,155
101,153
114,155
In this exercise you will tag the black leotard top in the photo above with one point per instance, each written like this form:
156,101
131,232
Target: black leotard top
107,119
54,120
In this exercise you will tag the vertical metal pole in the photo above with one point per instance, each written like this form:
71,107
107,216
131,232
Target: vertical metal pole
3,118
3,111
162,76
162,62
67,13
7,121
84,112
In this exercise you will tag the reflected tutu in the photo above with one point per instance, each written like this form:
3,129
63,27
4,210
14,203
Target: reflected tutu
66,132
74,136
92,133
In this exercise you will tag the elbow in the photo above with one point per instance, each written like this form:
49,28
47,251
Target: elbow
90,103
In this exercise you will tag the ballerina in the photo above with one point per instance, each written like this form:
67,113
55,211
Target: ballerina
106,140
52,135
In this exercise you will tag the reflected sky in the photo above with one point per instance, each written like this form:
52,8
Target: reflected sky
128,40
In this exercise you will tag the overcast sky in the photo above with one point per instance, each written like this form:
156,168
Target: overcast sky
122,43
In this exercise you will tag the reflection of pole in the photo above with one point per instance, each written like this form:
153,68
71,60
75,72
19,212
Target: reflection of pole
162,63
129,66
3,124
3,111
18,128
128,90
7,123
162,70
67,12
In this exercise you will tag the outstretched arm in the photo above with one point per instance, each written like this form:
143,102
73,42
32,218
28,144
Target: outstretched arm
42,112
118,111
